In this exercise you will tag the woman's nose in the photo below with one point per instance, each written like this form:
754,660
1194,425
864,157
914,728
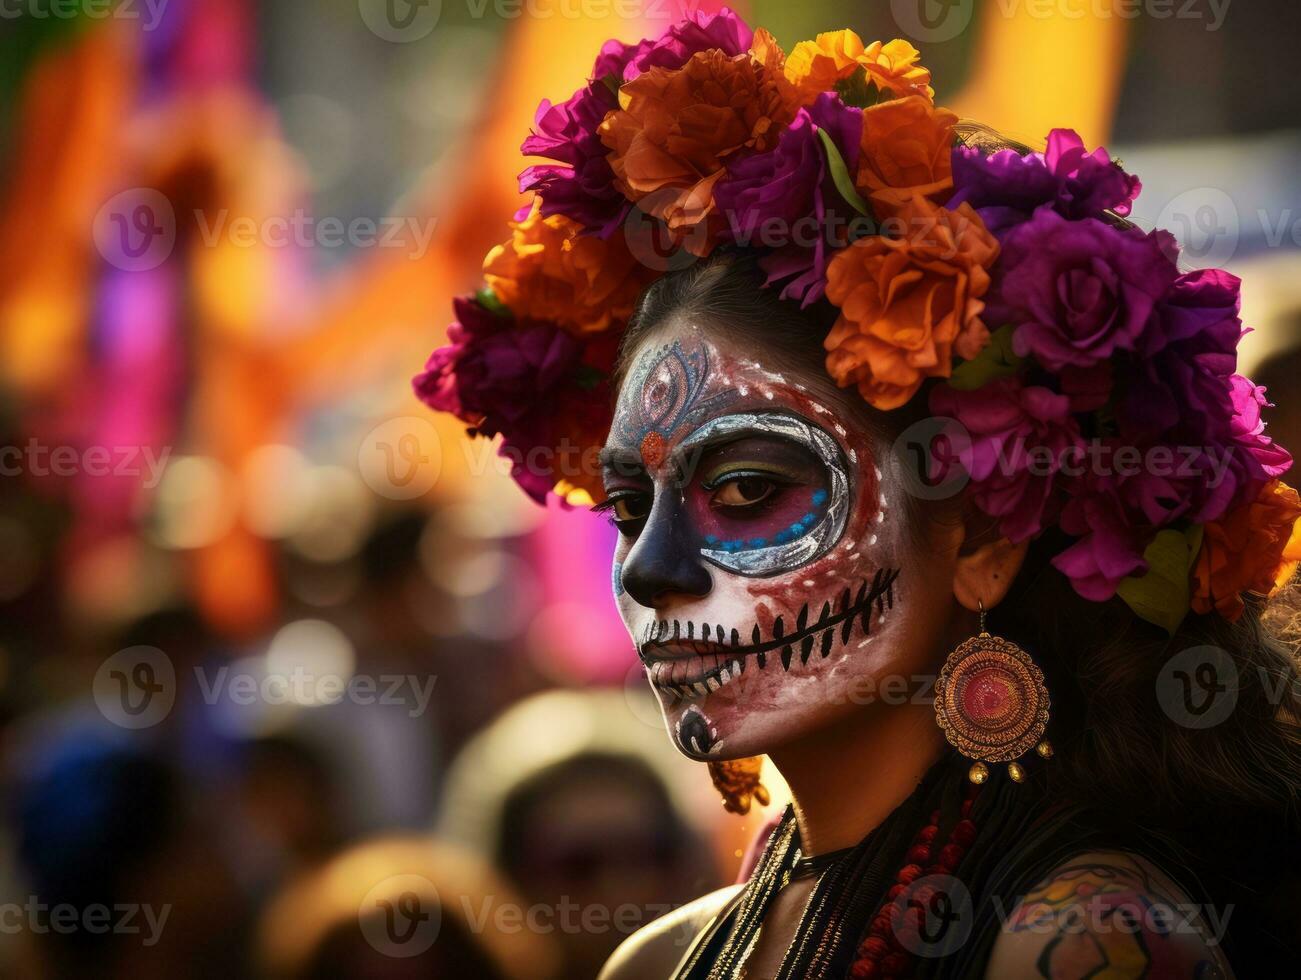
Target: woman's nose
665,560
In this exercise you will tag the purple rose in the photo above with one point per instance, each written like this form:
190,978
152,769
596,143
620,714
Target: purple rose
1020,436
503,377
1006,187
785,192
1184,393
1077,291
698,31
580,184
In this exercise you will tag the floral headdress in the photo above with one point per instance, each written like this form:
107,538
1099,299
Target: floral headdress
1061,332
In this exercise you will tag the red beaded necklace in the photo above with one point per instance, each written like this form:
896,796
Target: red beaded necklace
882,954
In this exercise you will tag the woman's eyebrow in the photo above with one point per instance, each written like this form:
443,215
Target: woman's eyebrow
624,461
724,429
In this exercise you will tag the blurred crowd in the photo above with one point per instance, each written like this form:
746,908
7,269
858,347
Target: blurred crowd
327,801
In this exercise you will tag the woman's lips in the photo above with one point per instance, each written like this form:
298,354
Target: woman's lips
690,668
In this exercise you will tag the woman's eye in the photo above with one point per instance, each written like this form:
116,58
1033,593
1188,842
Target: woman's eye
744,491
631,507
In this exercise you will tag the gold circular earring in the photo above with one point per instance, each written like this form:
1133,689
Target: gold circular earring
738,782
992,704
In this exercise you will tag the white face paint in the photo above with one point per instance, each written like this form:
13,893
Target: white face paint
761,570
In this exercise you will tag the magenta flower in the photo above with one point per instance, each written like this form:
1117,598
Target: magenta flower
781,200
1109,548
1183,392
519,380
1020,437
698,31
580,183
1265,459
1006,187
1077,291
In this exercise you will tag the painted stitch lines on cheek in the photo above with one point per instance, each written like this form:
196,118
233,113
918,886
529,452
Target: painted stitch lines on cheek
688,661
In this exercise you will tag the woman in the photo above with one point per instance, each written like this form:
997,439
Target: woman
954,508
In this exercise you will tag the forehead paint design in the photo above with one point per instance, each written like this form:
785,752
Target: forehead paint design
688,663
804,540
667,387
670,410
695,734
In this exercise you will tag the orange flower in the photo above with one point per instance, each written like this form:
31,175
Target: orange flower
816,66
548,271
908,304
765,50
675,128
907,147
1253,548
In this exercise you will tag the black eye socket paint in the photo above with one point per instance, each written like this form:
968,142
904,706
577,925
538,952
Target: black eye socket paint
695,735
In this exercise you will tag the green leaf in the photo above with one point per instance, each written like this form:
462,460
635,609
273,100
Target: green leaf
486,298
612,82
997,360
857,91
840,175
1162,594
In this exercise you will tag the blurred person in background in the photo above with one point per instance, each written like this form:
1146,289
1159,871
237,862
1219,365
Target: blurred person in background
289,795
591,822
107,823
401,908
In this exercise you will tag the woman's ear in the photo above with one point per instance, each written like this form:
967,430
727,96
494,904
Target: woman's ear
984,574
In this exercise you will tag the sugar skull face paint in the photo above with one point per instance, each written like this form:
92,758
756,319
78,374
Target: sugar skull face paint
760,571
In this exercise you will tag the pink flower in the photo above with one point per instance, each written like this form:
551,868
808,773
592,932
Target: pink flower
1109,548
1020,436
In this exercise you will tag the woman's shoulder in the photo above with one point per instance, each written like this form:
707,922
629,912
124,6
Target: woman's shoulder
652,952
1109,913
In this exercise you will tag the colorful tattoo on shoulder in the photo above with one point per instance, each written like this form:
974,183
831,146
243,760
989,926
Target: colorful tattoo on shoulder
1110,920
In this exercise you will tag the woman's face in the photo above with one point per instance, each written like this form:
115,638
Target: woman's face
764,567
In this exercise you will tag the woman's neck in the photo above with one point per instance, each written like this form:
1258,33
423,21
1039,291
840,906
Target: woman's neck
847,778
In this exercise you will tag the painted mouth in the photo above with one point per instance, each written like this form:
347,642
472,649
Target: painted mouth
692,669
691,661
